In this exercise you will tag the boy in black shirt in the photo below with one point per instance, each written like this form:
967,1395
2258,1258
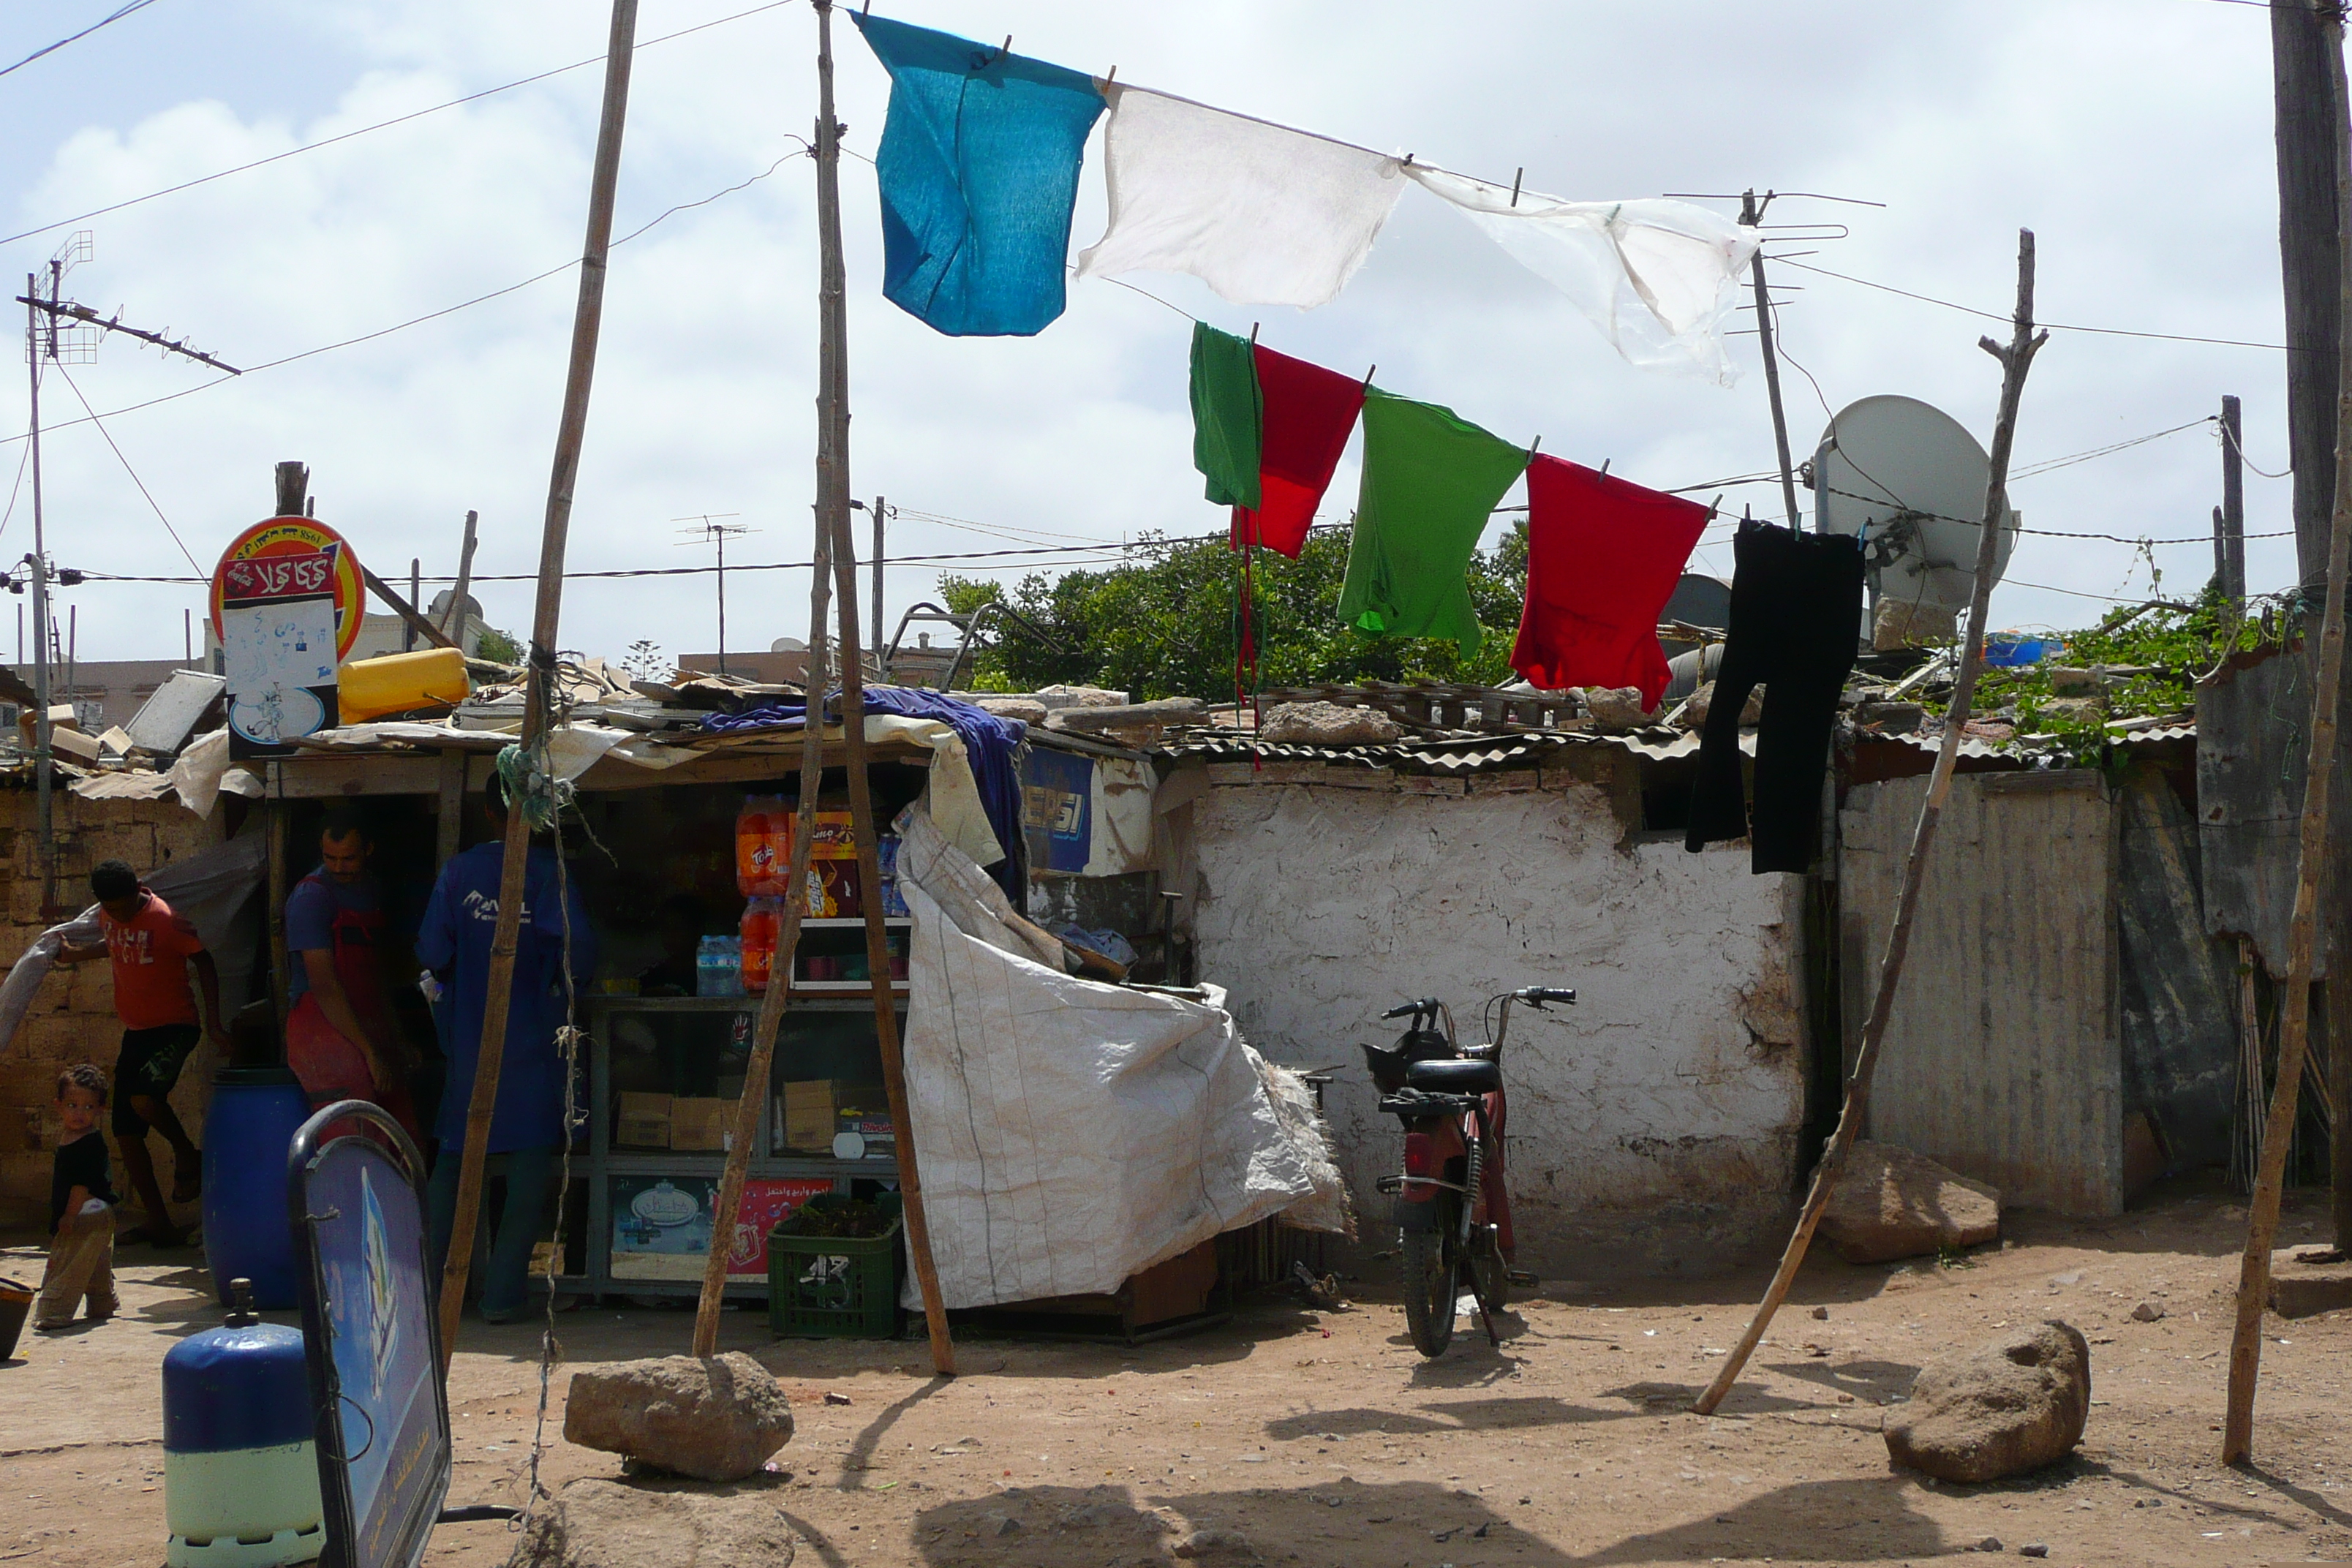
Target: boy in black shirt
81,1208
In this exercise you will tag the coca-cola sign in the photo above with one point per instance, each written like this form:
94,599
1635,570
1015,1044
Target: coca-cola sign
280,576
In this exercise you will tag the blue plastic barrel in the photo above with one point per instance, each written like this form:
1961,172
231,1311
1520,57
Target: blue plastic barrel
253,1118
240,1464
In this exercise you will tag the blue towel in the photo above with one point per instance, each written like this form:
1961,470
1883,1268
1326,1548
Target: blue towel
979,169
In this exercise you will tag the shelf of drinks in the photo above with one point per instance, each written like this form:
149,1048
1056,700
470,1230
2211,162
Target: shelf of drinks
654,1162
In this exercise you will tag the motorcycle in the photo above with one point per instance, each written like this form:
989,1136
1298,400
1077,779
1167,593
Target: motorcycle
1453,1207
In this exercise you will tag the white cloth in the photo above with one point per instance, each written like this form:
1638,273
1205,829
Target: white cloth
1656,277
1262,213
1072,1133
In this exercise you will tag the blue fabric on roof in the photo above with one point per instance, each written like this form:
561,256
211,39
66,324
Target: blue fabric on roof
979,170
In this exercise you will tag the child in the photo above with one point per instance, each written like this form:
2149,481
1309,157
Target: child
81,1208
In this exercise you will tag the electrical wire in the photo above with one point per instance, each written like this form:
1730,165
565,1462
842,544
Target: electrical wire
2031,469
2240,447
429,316
59,367
365,129
16,488
115,16
2053,326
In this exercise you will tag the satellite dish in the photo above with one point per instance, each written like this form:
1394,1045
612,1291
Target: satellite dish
1910,480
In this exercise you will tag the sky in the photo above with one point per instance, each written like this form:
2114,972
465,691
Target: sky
2086,121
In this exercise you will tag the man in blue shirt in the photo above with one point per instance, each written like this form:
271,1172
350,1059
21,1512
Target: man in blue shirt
526,1123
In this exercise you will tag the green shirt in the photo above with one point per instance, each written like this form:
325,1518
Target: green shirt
1227,429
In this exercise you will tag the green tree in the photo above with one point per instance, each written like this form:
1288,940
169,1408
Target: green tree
1168,624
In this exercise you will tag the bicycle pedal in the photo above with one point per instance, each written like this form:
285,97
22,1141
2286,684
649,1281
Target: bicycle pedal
1521,1277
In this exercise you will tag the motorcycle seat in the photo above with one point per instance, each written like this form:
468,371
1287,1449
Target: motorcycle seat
1453,1076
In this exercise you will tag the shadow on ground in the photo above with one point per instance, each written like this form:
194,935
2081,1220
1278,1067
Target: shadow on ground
1392,1526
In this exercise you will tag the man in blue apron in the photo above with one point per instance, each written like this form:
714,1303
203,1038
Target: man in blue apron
526,1126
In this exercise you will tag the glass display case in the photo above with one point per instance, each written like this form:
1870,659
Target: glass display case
666,1077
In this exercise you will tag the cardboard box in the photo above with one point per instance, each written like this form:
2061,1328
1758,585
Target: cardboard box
835,839
811,1110
700,1124
644,1120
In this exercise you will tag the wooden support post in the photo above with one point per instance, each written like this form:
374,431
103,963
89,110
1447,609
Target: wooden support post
751,1107
881,512
878,962
2311,860
2230,521
278,880
451,806
2015,359
416,624
453,624
587,321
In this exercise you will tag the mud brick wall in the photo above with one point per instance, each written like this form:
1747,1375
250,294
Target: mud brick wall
72,1019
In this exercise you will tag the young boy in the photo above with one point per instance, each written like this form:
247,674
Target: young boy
152,950
81,1208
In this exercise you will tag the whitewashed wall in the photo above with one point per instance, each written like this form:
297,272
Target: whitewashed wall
1653,1126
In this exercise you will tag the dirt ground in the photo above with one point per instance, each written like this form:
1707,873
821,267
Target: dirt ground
1321,1439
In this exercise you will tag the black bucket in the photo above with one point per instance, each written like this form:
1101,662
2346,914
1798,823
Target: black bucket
16,1306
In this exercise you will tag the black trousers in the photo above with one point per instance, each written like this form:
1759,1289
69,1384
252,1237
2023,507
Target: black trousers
1796,622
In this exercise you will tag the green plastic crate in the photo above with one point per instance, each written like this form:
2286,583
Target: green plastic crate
822,1287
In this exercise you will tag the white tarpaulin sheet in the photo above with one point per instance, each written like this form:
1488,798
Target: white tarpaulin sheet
1071,1134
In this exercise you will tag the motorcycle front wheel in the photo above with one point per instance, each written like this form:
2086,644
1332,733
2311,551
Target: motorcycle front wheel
1432,1261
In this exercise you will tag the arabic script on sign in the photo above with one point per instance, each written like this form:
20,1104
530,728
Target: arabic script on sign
278,576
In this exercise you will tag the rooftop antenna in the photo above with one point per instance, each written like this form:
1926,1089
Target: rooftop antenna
709,527
59,331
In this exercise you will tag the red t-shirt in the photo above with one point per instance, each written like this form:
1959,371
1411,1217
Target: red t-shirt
150,951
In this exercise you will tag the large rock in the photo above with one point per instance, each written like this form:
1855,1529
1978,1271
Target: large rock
594,1524
1693,713
1028,709
1133,723
2007,1408
1328,724
1892,1203
715,1418
1617,708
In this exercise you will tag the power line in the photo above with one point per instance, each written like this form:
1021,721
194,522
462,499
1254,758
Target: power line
2053,326
115,16
365,130
128,468
430,315
2031,469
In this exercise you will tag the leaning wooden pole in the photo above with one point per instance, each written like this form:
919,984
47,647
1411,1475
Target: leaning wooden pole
2015,359
587,318
749,1107
2311,861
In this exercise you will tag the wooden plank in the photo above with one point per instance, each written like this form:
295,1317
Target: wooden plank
327,778
452,804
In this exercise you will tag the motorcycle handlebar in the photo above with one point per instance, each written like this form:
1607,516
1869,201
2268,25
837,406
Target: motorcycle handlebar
1405,1008
1540,994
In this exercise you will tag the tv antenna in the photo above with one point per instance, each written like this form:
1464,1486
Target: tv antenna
707,527
59,331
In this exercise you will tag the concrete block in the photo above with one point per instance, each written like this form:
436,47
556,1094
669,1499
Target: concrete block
2306,1289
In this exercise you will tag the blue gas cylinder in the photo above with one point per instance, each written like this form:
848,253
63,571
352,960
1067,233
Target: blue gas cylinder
254,1115
241,1467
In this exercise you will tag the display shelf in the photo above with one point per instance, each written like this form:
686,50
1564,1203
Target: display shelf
839,922
846,988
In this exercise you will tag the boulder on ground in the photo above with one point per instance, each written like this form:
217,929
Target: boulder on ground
597,1524
715,1418
1892,1203
1328,724
2073,710
2067,681
2003,1409
1906,623
1617,708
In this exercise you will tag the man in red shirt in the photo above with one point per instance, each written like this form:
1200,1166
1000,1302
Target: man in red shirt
152,949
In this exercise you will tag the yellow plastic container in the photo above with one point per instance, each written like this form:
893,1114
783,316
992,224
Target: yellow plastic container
433,678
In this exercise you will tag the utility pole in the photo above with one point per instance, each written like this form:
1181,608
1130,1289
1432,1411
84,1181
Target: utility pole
881,511
2302,75
2230,517
706,526
407,632
1751,212
453,624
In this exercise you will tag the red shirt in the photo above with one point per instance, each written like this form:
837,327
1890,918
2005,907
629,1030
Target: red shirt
149,952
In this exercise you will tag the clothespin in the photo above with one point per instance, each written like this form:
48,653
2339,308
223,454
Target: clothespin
1715,508
1532,447
1106,80
1368,378
1253,334
1517,176
1604,468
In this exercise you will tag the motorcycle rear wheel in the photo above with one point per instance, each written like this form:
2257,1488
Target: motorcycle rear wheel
1432,1263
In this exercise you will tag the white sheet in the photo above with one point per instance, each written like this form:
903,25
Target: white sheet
1656,277
1262,213
1071,1134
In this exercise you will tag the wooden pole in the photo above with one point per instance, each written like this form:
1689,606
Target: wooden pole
2015,359
408,632
832,489
417,625
2229,545
2308,247
881,512
2311,860
877,950
587,321
453,624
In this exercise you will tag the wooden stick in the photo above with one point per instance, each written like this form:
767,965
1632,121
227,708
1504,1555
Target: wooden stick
405,610
2015,359
587,321
877,942
454,621
2311,858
